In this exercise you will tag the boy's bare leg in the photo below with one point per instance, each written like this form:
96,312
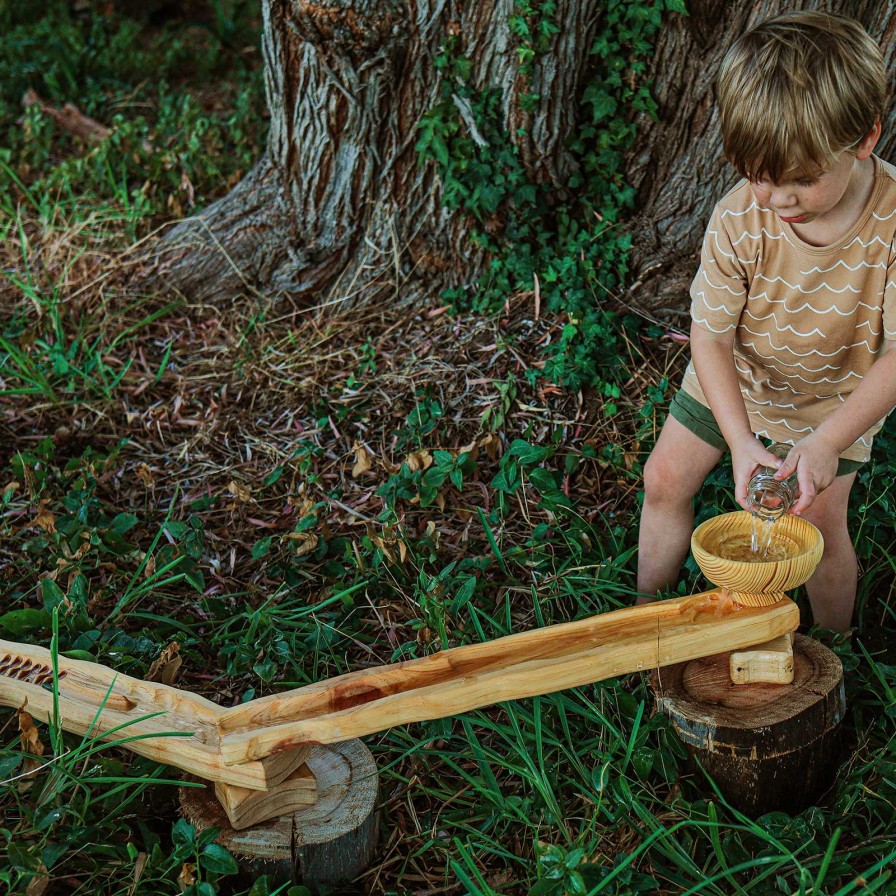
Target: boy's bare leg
832,587
673,474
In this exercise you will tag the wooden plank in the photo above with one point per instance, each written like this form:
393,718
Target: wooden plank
510,668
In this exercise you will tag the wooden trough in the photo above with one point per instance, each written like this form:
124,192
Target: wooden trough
266,758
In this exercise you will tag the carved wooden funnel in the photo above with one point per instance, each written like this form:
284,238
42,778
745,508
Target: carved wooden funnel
756,583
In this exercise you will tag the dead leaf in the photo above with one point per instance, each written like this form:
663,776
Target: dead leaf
492,444
419,460
303,505
29,739
381,544
307,542
471,450
166,665
70,118
187,876
39,883
139,865
144,474
45,519
363,461
239,491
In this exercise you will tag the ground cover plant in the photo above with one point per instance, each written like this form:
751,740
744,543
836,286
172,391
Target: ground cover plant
248,497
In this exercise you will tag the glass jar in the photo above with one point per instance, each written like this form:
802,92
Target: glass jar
769,498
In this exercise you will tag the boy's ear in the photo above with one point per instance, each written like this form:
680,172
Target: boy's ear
868,142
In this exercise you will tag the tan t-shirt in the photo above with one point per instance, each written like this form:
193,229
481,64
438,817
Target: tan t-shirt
809,320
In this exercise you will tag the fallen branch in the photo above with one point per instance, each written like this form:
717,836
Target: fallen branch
70,118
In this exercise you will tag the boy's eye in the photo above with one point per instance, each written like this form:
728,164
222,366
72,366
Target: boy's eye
806,183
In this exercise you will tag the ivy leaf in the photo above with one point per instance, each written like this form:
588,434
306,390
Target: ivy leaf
217,859
20,622
261,548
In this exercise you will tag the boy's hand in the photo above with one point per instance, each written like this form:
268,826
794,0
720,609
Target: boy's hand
815,462
748,453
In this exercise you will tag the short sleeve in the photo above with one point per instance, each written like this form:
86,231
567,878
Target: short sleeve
719,290
890,297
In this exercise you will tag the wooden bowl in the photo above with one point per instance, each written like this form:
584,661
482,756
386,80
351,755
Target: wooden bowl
756,582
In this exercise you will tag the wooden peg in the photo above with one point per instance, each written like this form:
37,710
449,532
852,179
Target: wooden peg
246,807
767,663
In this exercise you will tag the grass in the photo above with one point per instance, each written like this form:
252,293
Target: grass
287,496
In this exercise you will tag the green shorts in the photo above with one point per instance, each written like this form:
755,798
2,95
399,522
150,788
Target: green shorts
700,421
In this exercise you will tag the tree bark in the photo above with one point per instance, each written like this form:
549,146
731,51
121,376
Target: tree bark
340,204
677,163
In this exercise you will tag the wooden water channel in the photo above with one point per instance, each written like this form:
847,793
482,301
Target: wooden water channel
288,771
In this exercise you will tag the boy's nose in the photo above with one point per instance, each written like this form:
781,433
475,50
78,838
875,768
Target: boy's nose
781,199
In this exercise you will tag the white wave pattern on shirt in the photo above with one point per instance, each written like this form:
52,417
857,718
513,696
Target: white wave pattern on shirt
764,432
720,307
782,422
782,387
732,255
734,214
843,264
811,307
774,404
707,325
865,245
814,351
807,292
867,323
777,365
733,292
755,236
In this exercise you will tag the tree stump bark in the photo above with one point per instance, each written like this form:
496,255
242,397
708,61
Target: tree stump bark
330,842
768,747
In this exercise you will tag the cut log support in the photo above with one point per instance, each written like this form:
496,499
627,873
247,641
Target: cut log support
768,663
320,845
767,746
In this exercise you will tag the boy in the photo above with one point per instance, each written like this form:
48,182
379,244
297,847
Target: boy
794,304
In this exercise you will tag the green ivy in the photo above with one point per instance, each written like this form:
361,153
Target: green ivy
572,247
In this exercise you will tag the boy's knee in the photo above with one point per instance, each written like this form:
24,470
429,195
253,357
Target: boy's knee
663,480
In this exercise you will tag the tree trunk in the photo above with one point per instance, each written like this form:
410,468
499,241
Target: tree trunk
677,163
340,206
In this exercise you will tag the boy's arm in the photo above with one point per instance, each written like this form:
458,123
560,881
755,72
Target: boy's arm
815,457
713,356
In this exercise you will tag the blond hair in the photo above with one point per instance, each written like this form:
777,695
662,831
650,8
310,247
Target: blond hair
796,91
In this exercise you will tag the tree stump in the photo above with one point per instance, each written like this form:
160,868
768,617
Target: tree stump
324,844
767,746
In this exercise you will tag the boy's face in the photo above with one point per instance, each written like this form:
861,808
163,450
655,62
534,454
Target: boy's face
802,199
824,196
